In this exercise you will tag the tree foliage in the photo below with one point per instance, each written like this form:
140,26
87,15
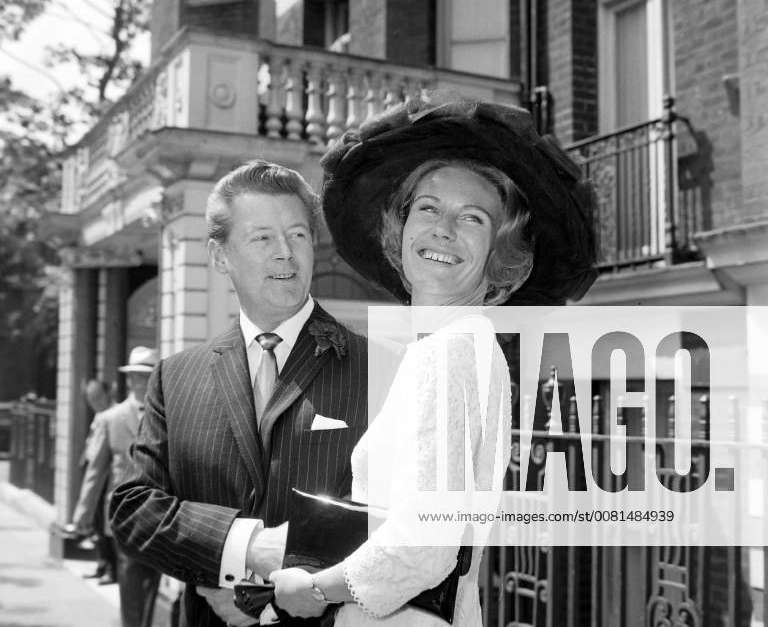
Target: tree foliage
109,72
14,16
33,136
29,186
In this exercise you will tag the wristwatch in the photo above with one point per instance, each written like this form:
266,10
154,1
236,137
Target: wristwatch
318,593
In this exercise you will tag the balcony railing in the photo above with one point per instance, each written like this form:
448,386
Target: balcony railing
256,87
645,212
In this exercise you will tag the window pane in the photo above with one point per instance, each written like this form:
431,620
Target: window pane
631,65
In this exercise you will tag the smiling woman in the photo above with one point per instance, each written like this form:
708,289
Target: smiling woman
447,237
457,204
371,174
455,233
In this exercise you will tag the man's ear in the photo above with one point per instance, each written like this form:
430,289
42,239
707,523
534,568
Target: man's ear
217,256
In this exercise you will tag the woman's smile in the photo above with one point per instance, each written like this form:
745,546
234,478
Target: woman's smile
448,234
440,257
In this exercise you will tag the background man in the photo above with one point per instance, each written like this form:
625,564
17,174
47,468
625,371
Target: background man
224,437
112,439
89,517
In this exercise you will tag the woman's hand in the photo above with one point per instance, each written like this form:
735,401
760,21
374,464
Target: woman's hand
295,594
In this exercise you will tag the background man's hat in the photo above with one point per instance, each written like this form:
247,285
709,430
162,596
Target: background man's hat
363,169
141,359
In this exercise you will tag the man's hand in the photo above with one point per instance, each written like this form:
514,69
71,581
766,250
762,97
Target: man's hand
295,593
222,601
266,549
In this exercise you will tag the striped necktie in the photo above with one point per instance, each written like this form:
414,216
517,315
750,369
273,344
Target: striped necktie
266,375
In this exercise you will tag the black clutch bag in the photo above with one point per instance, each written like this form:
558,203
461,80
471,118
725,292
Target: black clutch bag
323,531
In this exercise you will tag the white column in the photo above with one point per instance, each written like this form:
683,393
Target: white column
64,386
101,323
196,301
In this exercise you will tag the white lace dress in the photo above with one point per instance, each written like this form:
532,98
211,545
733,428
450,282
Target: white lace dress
381,575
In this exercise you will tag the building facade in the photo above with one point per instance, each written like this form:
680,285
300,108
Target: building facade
663,102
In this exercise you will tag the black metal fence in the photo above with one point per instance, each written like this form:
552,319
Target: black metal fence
6,428
646,212
633,586
30,429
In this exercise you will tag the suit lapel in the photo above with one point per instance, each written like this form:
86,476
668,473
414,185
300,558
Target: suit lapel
298,372
230,373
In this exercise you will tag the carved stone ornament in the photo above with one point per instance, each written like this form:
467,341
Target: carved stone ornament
79,257
178,102
161,212
172,205
160,117
223,94
118,133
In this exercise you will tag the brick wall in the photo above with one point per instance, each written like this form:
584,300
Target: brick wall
571,66
239,16
367,28
753,33
584,61
706,48
515,39
542,43
168,16
410,32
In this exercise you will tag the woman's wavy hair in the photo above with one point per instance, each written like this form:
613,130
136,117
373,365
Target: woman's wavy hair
511,258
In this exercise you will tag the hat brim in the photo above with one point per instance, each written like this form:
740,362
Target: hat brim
137,368
363,170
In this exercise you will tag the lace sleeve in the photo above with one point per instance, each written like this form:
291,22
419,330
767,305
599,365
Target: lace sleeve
382,579
438,398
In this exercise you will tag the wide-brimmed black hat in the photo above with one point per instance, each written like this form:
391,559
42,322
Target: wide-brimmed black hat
364,168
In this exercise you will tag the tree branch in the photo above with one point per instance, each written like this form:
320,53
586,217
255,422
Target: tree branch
118,24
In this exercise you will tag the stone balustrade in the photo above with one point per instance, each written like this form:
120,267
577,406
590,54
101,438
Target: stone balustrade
256,87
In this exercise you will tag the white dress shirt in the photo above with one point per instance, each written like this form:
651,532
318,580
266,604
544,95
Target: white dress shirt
236,545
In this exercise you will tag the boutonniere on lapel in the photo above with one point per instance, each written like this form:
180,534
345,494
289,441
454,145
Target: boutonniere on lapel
328,335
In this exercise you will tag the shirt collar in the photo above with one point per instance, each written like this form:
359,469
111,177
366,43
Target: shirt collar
134,402
288,330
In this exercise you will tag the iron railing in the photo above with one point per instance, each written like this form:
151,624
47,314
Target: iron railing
33,446
6,430
634,586
645,213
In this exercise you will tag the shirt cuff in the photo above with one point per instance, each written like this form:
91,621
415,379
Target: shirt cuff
232,568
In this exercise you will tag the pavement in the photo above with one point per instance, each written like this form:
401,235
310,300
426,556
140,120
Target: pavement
35,589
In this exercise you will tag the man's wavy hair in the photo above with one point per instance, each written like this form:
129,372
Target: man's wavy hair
511,258
255,177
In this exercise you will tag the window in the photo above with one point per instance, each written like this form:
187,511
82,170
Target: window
337,25
474,36
634,68
326,24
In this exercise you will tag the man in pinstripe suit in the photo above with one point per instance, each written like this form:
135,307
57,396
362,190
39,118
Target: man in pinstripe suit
222,442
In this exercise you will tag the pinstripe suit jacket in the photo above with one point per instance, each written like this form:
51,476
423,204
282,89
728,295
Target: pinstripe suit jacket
201,461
